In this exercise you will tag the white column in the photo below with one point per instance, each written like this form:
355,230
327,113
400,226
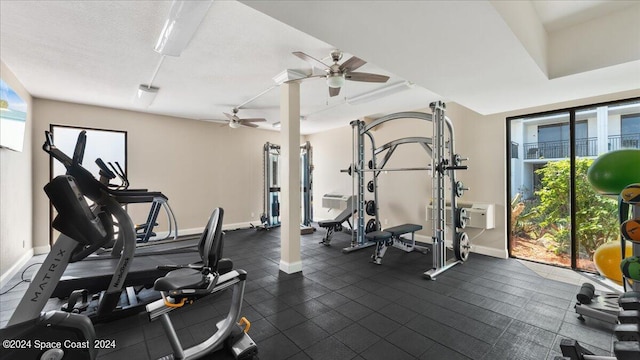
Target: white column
603,129
290,261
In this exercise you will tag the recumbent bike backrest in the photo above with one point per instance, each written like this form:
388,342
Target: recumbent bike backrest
210,245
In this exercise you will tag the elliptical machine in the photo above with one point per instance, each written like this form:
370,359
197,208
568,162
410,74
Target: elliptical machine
56,335
108,288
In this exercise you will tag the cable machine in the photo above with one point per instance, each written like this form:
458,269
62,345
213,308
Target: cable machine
271,206
443,164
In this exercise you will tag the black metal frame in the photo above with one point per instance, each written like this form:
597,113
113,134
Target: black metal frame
572,120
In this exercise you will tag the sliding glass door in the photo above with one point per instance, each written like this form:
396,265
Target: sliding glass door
541,188
556,216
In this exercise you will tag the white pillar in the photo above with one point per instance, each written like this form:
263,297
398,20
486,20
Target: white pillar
290,261
602,121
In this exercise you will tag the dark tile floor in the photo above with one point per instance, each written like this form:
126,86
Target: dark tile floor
343,307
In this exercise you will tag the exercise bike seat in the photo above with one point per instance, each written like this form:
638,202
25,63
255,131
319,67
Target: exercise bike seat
201,277
189,278
181,279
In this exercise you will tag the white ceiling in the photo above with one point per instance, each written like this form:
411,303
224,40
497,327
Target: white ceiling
488,56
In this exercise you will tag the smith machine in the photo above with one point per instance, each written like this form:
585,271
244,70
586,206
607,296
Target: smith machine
443,164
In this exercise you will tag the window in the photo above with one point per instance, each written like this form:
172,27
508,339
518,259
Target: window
553,140
630,131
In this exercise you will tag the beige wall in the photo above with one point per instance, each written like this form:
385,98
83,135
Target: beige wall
403,196
15,191
198,165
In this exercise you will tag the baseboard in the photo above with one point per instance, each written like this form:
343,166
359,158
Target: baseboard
13,270
490,251
192,231
291,268
196,231
39,250
241,225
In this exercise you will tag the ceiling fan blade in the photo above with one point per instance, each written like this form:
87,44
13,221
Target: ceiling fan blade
312,61
366,77
248,124
352,64
219,121
229,116
253,120
334,91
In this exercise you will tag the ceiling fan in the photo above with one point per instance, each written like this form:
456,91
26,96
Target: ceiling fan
235,122
336,74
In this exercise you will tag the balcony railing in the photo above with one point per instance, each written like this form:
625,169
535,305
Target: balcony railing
560,149
627,141
584,147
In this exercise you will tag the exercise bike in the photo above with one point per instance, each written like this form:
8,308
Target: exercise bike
184,284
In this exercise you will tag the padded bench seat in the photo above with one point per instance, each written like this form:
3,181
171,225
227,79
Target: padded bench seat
378,236
329,223
391,237
403,229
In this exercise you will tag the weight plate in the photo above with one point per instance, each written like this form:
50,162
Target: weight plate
457,161
461,218
461,246
372,225
459,188
370,186
370,208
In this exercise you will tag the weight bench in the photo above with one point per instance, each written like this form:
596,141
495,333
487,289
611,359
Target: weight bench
392,237
336,224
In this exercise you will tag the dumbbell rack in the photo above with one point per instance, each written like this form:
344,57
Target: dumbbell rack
605,306
443,164
627,330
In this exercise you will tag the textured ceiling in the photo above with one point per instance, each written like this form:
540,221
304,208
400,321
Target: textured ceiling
98,52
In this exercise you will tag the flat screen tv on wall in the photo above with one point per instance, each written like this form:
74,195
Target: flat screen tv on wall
13,118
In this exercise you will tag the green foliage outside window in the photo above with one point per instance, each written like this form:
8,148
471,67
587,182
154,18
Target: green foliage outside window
595,214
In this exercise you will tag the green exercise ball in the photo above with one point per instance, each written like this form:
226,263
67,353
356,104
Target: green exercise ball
611,172
631,267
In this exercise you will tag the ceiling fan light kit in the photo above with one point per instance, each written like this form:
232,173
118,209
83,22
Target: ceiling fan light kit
181,24
336,74
145,95
335,81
